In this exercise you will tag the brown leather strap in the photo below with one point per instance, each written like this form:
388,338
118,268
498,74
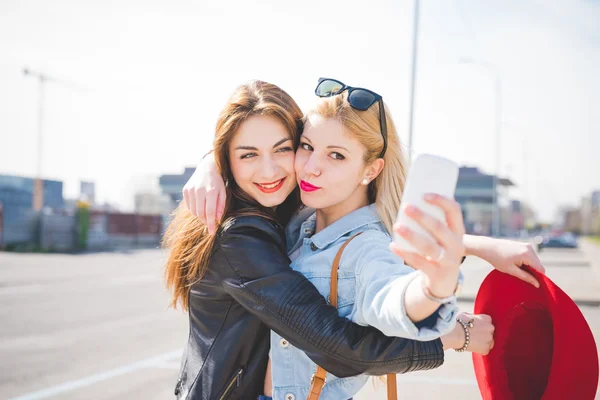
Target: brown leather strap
392,389
333,284
318,379
316,384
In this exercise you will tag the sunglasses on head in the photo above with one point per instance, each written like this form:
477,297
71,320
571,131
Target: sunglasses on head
358,98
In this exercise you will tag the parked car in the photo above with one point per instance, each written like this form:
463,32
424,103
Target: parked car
564,241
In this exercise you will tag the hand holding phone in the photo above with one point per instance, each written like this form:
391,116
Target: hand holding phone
429,233
427,174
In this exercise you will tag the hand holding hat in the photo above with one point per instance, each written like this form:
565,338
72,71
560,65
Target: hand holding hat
544,348
508,256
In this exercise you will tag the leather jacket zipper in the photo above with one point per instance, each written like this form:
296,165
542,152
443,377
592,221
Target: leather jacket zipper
178,386
237,380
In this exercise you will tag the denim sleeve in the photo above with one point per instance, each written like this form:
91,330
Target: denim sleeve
381,282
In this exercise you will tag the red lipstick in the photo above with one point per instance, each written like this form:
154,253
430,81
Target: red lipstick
307,187
263,189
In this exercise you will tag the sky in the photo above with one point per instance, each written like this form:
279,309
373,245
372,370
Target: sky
139,84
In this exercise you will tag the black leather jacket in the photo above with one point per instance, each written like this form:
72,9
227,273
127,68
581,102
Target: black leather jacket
248,289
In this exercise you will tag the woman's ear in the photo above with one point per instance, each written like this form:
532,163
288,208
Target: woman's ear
373,170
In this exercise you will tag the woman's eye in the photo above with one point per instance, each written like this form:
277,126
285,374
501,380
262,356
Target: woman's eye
247,155
306,146
337,156
285,149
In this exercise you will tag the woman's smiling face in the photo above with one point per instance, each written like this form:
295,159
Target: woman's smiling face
261,157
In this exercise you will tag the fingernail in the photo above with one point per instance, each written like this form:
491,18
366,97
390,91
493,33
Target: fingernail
429,196
403,230
411,209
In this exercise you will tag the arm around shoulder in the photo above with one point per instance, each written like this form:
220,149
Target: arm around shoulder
257,275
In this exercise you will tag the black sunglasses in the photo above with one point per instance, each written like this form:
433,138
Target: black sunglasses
359,99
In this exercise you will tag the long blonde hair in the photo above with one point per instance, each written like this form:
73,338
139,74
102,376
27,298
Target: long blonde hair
386,190
187,237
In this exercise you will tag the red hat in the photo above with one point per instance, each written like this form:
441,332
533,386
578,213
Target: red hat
544,348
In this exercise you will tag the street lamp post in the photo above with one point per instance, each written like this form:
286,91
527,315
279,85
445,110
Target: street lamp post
413,77
43,79
38,185
498,123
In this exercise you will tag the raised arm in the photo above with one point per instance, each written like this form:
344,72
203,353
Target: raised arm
204,193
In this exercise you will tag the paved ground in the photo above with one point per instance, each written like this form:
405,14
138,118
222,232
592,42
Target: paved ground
97,326
87,327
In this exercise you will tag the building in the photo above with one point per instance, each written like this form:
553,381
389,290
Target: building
596,198
16,194
153,203
16,198
516,216
583,219
87,191
172,185
528,215
475,193
585,210
572,220
590,214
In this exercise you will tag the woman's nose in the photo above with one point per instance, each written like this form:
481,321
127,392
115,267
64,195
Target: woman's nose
312,166
269,168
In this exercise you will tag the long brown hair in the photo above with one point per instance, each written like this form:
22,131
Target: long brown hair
186,236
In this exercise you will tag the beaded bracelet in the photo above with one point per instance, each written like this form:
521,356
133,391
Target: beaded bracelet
466,326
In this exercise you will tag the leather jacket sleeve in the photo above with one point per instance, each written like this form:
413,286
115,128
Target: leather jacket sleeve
256,273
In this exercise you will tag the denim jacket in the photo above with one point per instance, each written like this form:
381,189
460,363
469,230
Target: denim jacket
372,283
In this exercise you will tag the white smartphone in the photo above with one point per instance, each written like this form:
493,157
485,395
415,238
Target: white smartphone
427,174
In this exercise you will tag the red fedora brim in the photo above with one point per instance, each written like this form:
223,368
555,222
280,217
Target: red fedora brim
544,348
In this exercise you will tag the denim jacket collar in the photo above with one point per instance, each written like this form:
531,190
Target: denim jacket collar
342,227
